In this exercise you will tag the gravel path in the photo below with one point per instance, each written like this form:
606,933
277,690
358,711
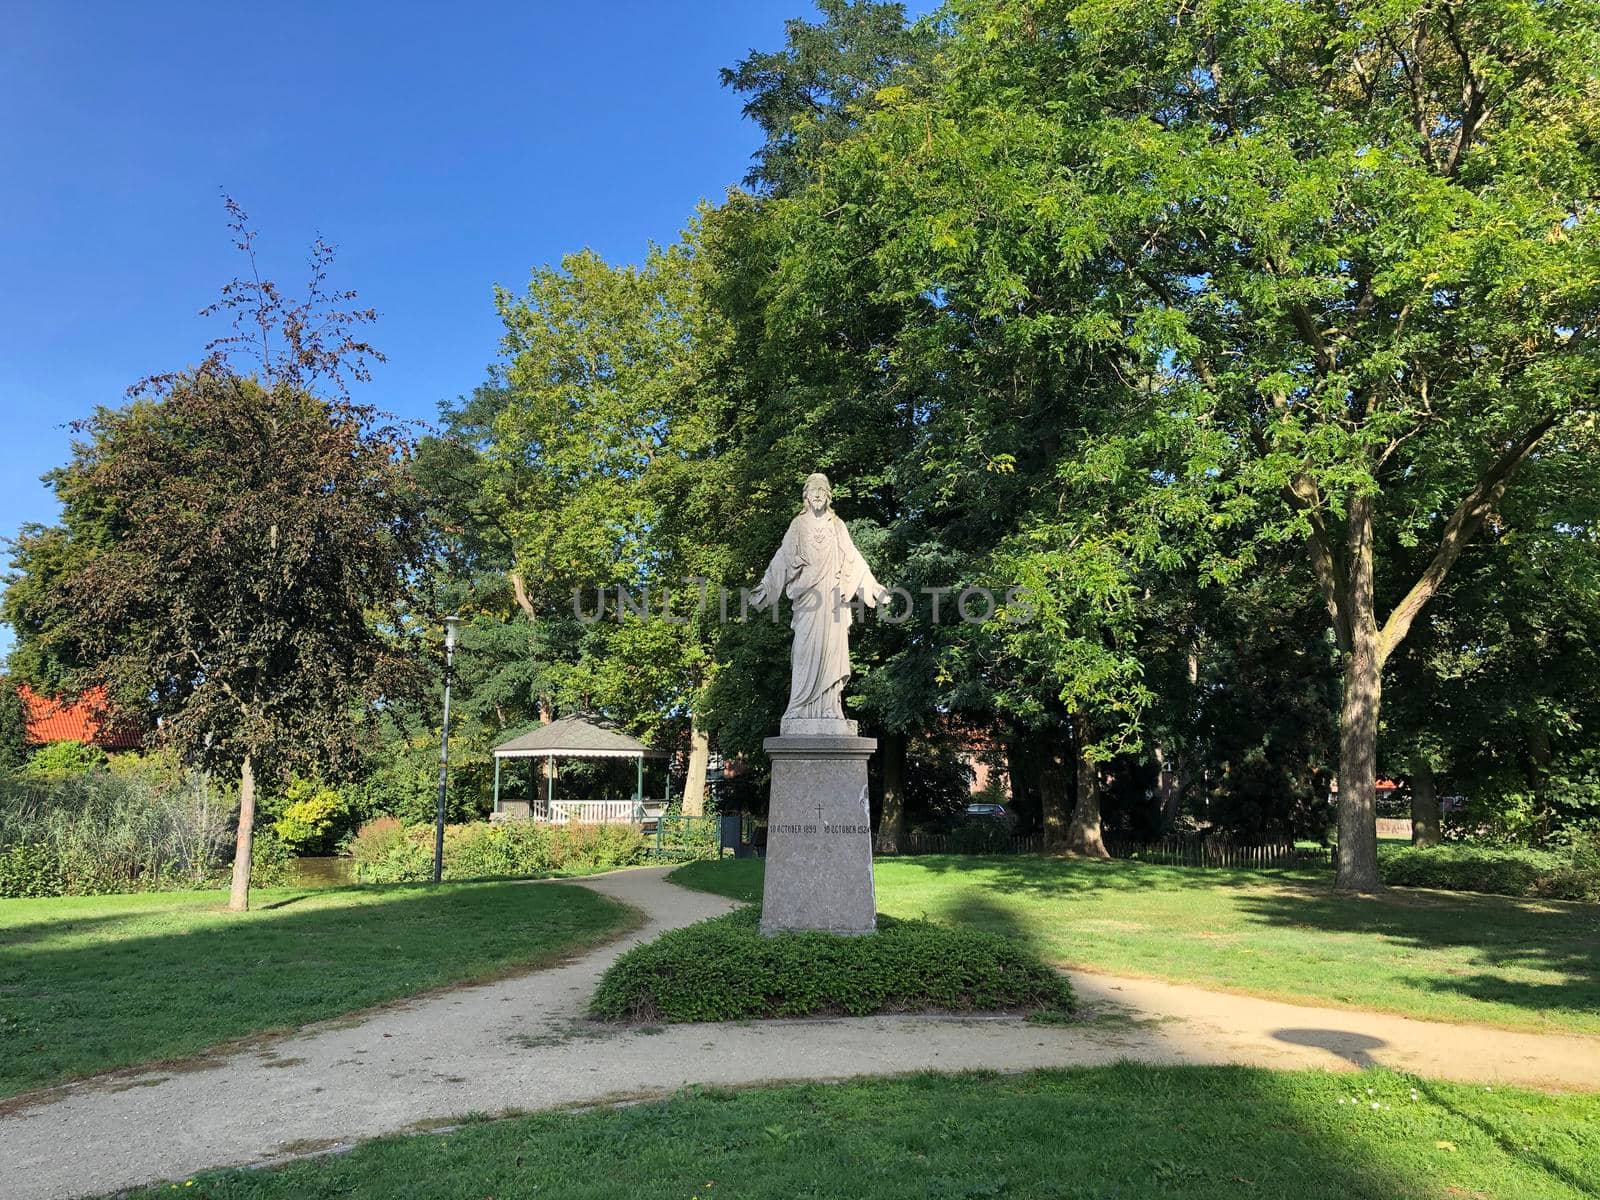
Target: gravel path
521,1044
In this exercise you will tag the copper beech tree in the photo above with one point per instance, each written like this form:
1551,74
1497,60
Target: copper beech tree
249,532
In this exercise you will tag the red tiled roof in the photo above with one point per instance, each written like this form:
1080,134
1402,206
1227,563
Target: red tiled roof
88,720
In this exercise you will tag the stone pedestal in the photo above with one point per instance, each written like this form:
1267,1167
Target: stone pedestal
819,835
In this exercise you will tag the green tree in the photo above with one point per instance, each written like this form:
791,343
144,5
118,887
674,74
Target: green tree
597,469
1494,695
505,666
13,727
813,90
1342,263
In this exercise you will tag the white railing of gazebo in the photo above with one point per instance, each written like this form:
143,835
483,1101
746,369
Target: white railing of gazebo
595,812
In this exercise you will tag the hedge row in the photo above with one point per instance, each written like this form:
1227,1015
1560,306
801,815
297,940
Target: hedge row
385,851
724,970
1515,871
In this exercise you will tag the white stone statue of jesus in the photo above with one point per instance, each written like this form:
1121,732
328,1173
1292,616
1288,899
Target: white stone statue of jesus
822,573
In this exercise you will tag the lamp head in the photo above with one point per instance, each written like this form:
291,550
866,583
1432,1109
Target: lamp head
451,624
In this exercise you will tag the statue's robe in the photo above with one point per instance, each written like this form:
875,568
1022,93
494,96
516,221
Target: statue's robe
820,570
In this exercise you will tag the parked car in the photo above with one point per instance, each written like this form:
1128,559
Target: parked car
992,812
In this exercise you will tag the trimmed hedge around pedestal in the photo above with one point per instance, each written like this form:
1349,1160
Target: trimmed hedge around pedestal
724,970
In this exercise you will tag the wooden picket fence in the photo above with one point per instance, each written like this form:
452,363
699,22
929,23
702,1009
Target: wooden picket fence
923,842
1218,852
1172,851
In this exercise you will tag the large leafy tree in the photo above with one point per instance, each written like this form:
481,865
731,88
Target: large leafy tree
1342,261
950,433
506,670
239,547
599,468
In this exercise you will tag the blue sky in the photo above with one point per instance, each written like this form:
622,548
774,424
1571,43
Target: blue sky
443,149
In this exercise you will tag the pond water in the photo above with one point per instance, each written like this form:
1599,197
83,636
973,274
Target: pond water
329,871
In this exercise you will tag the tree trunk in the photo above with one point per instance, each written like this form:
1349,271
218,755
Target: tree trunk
1050,753
892,822
1358,723
694,784
1169,789
1083,835
239,897
1424,804
1539,759
1023,781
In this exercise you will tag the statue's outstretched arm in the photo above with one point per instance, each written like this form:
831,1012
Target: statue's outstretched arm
776,576
858,572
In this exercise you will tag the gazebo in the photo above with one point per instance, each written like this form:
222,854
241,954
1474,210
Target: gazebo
574,737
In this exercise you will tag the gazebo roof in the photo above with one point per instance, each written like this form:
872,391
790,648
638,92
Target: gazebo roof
574,737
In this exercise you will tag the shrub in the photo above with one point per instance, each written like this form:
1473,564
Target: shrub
157,770
30,869
725,970
115,831
62,760
271,861
374,839
384,852
387,852
482,851
1572,874
1502,809
309,816
595,847
686,839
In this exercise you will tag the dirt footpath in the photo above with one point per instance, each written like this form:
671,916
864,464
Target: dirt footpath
522,1044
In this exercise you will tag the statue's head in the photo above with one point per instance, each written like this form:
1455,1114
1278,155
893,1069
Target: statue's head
818,494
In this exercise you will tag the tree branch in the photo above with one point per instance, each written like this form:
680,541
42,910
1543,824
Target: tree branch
1306,326
1473,109
1459,531
520,591
1301,494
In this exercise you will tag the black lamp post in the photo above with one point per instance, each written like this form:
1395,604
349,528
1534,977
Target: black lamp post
451,624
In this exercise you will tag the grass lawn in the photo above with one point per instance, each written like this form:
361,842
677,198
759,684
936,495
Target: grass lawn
1124,1131
1442,956
89,983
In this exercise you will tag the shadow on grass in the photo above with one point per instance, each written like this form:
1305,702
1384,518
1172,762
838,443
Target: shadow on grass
157,981
974,910
1500,934
1588,1182
288,900
1143,1133
1053,875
